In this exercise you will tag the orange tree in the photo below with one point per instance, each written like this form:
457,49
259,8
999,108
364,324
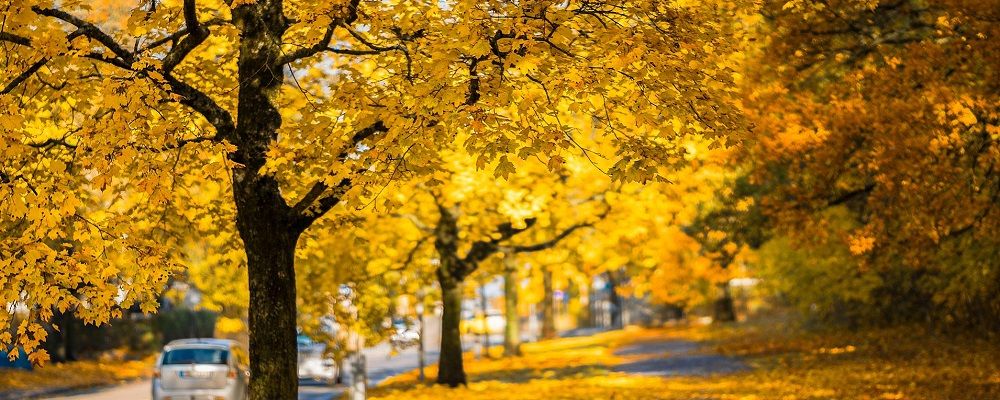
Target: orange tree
887,109
303,106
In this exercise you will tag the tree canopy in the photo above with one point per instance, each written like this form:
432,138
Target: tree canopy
114,113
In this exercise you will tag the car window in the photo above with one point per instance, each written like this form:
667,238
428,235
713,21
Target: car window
196,356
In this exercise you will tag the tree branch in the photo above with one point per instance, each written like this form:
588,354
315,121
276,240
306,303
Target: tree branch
16,39
484,248
315,194
416,221
473,96
204,105
548,244
851,195
413,252
197,34
24,75
173,37
89,30
306,52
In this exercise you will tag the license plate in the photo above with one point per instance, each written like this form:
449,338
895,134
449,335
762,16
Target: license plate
194,374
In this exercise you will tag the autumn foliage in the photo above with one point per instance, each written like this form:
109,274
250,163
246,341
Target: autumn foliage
304,163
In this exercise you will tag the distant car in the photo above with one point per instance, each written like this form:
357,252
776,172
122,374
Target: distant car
404,335
313,362
477,325
216,369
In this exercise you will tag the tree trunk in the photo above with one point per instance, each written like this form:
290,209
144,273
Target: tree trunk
548,304
451,271
270,249
512,330
421,348
339,377
451,372
266,223
616,300
724,310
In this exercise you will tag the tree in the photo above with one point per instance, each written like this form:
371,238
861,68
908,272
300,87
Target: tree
725,227
305,106
349,281
478,217
888,110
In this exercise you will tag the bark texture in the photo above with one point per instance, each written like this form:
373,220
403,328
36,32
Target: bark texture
266,223
451,371
451,272
512,328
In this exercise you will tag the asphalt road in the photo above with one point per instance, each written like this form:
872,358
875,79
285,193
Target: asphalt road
382,364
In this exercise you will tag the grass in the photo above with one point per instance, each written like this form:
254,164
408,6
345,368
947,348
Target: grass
77,374
896,363
899,363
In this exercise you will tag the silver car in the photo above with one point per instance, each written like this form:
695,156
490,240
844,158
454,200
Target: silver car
313,362
201,369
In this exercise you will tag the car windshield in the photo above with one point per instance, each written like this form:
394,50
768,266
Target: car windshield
196,356
304,342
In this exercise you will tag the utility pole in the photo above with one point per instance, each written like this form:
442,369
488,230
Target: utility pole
359,385
359,374
420,341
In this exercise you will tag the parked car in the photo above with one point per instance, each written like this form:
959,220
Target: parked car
313,361
477,325
404,335
216,369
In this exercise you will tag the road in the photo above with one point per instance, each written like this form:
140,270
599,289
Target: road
382,364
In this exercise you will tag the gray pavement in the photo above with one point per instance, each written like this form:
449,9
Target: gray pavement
675,358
